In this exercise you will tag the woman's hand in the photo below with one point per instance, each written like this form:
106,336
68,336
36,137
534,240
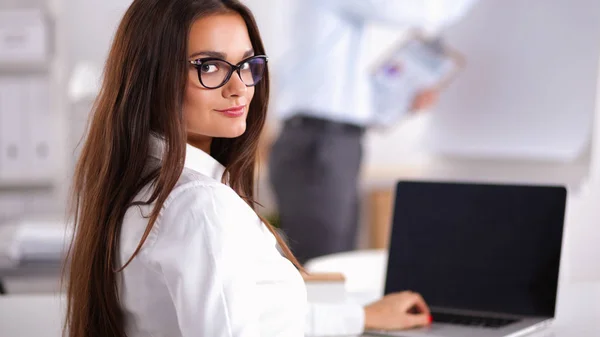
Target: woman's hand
397,311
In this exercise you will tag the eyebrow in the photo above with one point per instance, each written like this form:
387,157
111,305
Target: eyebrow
220,55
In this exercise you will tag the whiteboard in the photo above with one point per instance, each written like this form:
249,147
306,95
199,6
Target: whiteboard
529,87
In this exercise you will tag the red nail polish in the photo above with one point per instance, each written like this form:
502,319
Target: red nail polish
430,319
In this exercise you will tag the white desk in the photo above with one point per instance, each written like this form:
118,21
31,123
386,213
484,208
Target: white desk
41,315
578,308
578,304
31,315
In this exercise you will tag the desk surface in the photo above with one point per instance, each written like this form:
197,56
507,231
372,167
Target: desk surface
578,304
578,312
41,315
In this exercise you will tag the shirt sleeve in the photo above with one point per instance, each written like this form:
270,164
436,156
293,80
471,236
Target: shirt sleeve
333,319
412,13
200,254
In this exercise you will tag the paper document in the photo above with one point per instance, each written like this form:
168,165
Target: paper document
409,68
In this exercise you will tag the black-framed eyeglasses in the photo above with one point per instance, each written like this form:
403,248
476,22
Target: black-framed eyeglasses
214,72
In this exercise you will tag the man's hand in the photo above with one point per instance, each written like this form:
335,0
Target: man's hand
425,100
397,311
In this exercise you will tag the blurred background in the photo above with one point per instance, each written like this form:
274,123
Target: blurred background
523,110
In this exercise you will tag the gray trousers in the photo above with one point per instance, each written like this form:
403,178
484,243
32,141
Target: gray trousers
314,167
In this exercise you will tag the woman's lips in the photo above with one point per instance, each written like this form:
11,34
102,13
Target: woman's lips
233,112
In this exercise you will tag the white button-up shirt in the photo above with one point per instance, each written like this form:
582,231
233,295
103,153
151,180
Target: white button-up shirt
210,267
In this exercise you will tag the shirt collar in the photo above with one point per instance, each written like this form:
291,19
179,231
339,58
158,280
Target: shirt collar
195,159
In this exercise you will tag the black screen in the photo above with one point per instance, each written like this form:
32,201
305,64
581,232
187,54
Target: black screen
478,247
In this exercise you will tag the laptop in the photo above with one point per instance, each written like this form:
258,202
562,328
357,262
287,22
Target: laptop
485,257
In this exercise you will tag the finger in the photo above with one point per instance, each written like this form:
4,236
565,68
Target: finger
419,303
420,320
431,99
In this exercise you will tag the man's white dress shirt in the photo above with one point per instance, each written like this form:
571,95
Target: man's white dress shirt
322,74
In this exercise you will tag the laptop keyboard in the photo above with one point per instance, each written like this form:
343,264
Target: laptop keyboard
470,320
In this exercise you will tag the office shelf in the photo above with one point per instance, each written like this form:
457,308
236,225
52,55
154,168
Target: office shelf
52,69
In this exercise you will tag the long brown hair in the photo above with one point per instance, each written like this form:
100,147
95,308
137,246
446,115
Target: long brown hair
141,95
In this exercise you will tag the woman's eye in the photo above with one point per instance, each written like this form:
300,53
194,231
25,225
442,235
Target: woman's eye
209,68
245,66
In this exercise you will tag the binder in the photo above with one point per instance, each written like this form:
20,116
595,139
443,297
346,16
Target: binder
39,131
23,36
11,129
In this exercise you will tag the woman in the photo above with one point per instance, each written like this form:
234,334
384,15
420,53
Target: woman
167,241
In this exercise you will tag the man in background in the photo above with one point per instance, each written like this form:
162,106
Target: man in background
315,162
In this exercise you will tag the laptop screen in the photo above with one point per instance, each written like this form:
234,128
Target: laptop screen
493,248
